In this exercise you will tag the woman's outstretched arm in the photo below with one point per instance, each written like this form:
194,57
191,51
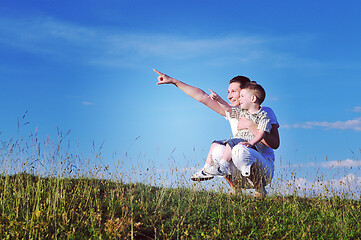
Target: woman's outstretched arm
194,92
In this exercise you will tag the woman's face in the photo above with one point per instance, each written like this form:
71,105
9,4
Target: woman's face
233,93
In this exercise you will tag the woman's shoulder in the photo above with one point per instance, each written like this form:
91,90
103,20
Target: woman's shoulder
270,114
267,109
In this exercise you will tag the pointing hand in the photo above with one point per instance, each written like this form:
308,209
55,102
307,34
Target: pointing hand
163,78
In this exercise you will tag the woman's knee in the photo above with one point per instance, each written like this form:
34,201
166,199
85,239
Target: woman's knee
240,152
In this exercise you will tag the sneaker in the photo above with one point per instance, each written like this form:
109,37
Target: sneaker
211,169
201,176
223,170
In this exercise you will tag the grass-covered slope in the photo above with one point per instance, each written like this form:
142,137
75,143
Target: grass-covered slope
33,207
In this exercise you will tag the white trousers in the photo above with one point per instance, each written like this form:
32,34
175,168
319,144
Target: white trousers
242,160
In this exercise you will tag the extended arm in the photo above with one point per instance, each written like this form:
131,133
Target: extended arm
271,139
194,92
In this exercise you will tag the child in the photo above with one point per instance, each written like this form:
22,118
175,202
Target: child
251,97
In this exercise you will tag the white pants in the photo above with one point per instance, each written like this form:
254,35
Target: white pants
242,160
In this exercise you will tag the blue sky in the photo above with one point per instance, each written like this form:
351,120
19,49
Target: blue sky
87,66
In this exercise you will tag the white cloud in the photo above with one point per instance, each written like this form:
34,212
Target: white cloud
87,103
355,109
348,163
344,163
296,125
354,124
346,186
111,47
305,165
272,98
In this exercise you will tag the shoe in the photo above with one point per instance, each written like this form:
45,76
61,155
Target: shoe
201,176
213,170
223,170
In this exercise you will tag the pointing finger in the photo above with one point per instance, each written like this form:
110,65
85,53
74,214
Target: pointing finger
162,74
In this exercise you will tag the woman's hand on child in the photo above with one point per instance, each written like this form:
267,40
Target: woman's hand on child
243,123
247,144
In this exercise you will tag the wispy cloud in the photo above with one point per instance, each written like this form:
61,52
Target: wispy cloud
346,186
355,109
55,39
354,124
303,165
272,98
344,163
87,103
348,163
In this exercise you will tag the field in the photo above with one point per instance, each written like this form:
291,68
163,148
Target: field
33,207
45,194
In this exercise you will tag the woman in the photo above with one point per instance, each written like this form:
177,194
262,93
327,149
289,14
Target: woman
236,181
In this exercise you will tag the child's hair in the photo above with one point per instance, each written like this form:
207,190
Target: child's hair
256,90
242,80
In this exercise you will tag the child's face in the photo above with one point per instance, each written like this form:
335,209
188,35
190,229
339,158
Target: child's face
233,93
245,99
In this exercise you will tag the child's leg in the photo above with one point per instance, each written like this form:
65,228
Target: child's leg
224,164
227,155
209,159
211,166
214,157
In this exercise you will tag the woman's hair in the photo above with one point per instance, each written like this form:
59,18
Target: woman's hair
242,80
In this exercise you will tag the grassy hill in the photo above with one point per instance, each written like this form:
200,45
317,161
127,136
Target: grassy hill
34,207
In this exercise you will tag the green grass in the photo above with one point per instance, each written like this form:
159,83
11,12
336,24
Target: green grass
78,200
34,207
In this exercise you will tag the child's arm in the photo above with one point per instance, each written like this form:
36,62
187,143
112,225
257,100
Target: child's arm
257,138
271,139
220,101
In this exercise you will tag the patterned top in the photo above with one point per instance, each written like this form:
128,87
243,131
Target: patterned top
260,118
